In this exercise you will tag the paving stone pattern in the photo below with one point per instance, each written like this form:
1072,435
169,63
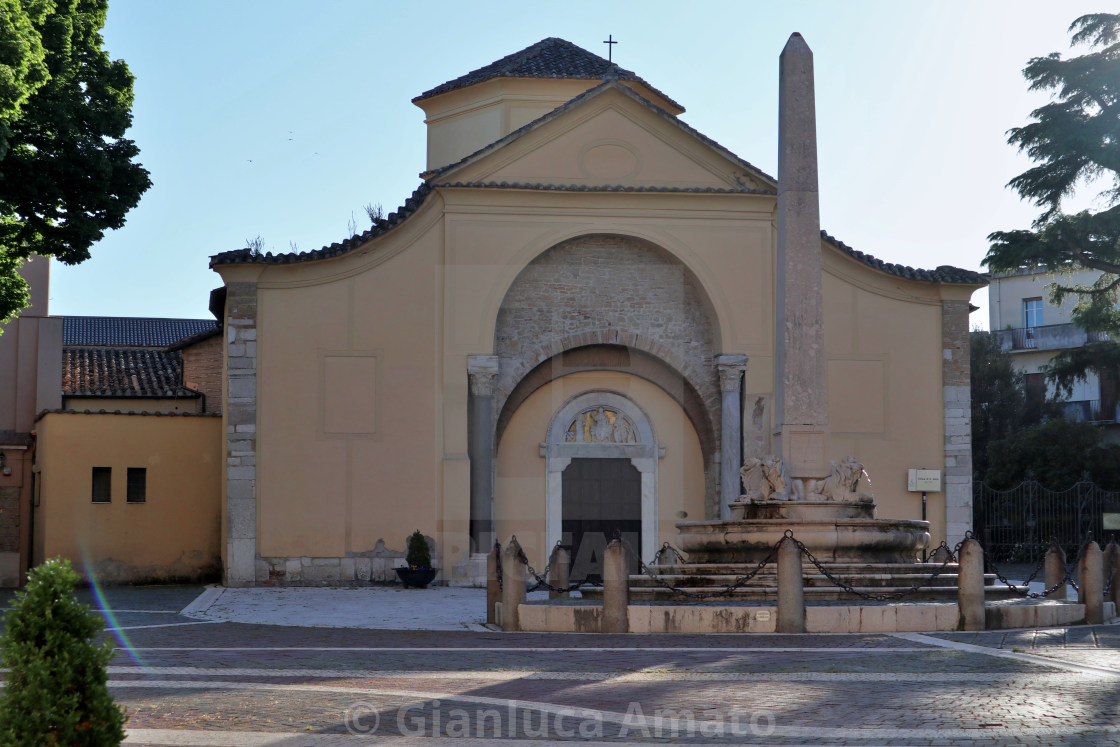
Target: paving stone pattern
223,683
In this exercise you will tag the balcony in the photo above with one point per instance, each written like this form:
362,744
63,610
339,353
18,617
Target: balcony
1091,411
1049,337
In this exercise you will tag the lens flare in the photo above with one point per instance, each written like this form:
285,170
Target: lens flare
102,604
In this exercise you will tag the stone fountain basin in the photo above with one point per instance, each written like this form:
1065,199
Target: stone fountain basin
820,525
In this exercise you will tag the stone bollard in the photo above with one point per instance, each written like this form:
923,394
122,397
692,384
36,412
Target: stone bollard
1090,579
513,585
1056,570
791,589
493,588
616,589
970,586
558,566
1113,554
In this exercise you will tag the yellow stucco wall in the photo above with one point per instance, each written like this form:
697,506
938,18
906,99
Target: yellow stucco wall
348,439
519,501
173,535
883,339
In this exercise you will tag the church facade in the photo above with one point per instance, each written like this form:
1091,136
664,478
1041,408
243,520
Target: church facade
567,330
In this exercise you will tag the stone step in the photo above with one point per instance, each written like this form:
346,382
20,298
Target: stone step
839,568
812,594
810,580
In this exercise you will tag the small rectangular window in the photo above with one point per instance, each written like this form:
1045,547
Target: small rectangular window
102,484
137,485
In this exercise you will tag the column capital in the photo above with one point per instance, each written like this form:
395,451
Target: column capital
731,368
482,369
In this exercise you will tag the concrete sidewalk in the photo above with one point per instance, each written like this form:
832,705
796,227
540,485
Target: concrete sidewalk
377,607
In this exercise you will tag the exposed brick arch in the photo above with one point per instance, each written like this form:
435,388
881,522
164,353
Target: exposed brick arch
608,293
614,358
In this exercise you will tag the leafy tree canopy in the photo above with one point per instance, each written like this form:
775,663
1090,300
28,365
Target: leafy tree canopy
66,170
1057,453
1075,140
998,396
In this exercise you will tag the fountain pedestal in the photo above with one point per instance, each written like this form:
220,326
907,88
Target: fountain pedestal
834,531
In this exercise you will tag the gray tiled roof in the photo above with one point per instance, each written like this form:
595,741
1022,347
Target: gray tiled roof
605,188
548,58
943,274
124,331
122,372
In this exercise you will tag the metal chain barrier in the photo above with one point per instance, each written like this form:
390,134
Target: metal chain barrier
726,591
668,549
845,586
1067,579
542,581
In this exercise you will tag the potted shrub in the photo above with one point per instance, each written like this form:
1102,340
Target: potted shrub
418,572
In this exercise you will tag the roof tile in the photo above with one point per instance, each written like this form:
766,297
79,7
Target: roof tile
122,372
548,58
116,331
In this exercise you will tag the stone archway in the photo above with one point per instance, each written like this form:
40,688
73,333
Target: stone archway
608,291
629,434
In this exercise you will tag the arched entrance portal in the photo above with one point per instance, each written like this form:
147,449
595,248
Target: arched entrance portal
601,458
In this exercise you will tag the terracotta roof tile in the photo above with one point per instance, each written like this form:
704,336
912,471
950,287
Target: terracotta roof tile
122,372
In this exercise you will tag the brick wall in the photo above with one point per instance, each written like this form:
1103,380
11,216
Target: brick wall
610,290
202,370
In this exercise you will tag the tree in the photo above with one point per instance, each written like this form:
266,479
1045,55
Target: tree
998,398
1075,139
67,174
56,691
1057,453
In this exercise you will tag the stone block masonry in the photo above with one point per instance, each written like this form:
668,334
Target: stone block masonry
240,336
957,401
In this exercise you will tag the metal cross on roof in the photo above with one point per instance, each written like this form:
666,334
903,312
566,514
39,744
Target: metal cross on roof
610,42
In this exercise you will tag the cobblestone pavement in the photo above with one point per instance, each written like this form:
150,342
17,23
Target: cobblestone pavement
189,682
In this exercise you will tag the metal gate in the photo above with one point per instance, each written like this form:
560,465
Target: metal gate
1017,525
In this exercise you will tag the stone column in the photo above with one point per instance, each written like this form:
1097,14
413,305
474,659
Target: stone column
1055,563
482,369
1090,587
513,586
957,406
616,589
731,368
559,565
791,589
801,376
970,586
240,556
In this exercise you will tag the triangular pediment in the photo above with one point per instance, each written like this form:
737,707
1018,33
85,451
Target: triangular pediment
608,137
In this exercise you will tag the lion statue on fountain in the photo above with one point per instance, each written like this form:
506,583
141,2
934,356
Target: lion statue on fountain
842,483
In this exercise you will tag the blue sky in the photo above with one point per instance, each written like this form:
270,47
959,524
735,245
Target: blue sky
283,118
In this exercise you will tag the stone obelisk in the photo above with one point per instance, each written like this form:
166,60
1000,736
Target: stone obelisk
801,376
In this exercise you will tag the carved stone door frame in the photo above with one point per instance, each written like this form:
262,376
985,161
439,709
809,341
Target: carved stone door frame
641,448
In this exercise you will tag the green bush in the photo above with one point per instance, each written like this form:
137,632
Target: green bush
418,556
56,692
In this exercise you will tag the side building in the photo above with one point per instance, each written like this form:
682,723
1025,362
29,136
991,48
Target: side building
1034,330
110,444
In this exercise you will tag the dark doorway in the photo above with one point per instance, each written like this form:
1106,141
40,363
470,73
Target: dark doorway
600,496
